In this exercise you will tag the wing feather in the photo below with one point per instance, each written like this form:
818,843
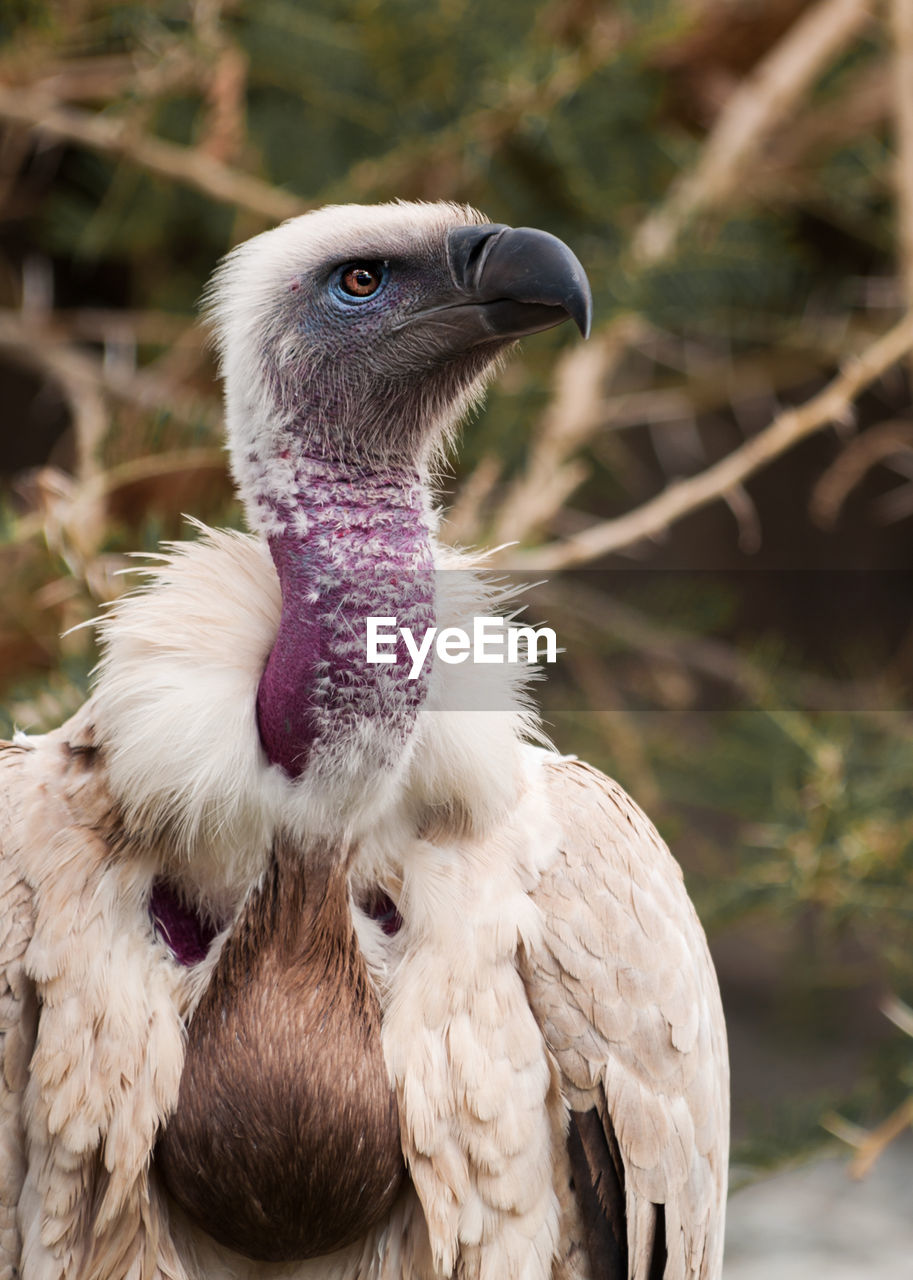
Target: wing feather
624,989
17,1010
599,1184
90,1031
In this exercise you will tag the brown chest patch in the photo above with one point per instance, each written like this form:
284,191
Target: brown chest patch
285,1143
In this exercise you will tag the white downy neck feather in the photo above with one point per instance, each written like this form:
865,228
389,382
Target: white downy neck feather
174,711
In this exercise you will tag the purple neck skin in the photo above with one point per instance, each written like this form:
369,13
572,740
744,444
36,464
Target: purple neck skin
188,934
184,930
346,545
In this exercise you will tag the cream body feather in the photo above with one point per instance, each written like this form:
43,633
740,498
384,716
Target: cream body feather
548,953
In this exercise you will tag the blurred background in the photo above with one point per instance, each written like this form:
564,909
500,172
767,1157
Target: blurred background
718,486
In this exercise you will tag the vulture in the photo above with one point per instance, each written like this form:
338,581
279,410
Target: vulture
320,968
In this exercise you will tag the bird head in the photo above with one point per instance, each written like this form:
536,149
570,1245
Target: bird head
361,334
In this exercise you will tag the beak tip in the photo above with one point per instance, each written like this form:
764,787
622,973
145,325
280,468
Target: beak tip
582,312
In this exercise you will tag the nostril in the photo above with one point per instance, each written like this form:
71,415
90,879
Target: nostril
479,252
467,249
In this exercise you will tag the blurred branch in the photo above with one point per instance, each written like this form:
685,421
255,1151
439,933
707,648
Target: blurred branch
99,324
898,1012
101,78
752,380
224,129
620,734
706,656
464,517
81,388
187,165
748,522
766,99
863,104
858,457
39,346
572,417
680,499
870,1144
713,386
874,1143
902,26
156,466
74,510
59,500
74,376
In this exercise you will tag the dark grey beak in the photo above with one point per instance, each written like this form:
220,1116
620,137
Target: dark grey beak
517,280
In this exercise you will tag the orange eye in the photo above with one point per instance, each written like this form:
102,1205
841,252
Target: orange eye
362,279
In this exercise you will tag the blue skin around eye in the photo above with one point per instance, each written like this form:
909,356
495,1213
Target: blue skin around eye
350,299
321,308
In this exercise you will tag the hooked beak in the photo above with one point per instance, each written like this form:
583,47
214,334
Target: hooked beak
517,280
505,282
